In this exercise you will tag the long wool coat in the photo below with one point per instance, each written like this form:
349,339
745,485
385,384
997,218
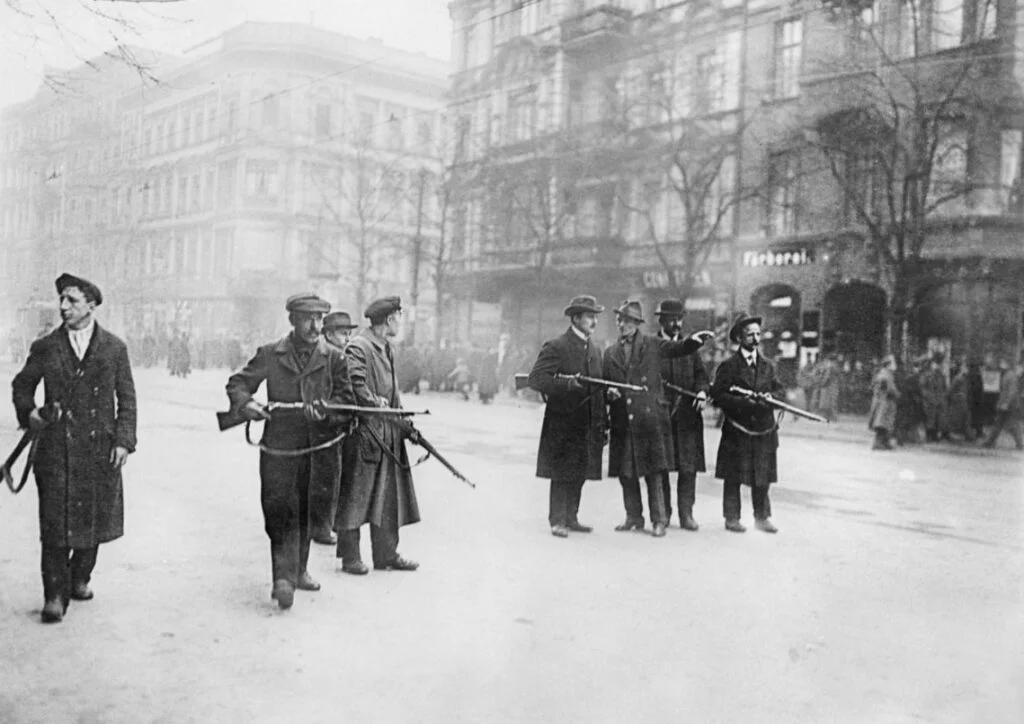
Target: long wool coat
638,419
684,426
884,394
375,470
742,457
572,435
81,499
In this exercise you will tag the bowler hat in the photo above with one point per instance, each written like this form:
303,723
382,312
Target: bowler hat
307,302
670,308
381,308
742,320
583,304
631,309
88,289
339,320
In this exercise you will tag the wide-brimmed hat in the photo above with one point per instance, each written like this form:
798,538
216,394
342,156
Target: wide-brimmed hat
339,320
584,303
631,309
741,321
670,308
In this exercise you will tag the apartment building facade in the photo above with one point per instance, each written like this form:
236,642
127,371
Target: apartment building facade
761,83
272,159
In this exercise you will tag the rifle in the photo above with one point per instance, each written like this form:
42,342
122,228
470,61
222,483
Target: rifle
30,439
522,382
776,404
230,419
418,439
682,391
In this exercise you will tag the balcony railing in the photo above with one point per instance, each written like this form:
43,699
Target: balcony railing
597,24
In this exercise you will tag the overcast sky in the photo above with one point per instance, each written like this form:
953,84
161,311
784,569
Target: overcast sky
28,42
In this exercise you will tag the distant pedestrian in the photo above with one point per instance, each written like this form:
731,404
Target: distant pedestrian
934,390
1008,407
884,394
85,431
747,450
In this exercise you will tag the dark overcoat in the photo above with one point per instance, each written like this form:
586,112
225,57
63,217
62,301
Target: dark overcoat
684,425
747,458
572,435
638,419
324,377
884,395
81,498
375,466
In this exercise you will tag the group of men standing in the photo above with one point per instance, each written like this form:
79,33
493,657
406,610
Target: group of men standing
328,467
644,397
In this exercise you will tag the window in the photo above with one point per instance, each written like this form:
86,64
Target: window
189,261
186,129
707,93
224,251
1010,178
949,167
910,28
208,189
366,109
865,27
170,137
985,18
424,135
261,179
194,198
270,109
947,23
322,123
226,185
788,41
211,114
861,187
165,202
205,253
231,117
718,198
521,117
783,193
396,135
182,198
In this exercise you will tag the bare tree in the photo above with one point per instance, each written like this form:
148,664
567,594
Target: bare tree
899,146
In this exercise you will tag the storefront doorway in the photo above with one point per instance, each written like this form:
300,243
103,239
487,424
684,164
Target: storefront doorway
779,306
853,322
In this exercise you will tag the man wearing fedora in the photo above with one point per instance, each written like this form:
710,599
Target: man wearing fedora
295,451
572,436
684,427
747,451
337,328
377,485
84,433
638,440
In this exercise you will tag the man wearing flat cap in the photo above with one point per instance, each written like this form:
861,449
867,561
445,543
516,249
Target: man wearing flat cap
296,450
572,436
85,432
747,451
638,442
684,426
376,486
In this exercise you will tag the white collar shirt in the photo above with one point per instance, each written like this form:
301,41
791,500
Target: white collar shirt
749,357
80,339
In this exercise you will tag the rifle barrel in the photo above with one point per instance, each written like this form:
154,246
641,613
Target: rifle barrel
338,407
777,404
607,383
681,390
426,445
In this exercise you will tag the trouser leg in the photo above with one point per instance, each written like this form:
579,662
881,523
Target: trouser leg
731,504
305,530
384,537
666,493
997,428
656,499
631,500
56,577
558,503
348,546
687,493
323,489
572,508
1014,425
285,509
762,503
83,560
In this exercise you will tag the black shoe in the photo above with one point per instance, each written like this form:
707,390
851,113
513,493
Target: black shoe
687,522
630,525
659,530
398,564
326,538
53,611
307,582
559,531
735,526
356,568
81,592
577,527
766,525
283,593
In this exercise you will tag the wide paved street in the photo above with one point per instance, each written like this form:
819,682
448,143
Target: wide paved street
893,593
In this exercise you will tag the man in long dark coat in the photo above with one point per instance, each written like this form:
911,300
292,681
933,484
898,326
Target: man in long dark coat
572,435
685,424
86,430
747,451
377,484
638,439
301,367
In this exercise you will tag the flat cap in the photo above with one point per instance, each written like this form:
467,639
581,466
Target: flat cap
90,290
307,302
381,308
339,320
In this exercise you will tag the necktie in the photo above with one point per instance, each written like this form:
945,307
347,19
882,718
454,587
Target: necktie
586,358
627,350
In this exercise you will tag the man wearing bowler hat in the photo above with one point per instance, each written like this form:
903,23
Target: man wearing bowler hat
572,436
638,441
747,451
296,449
377,485
84,432
337,328
684,428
